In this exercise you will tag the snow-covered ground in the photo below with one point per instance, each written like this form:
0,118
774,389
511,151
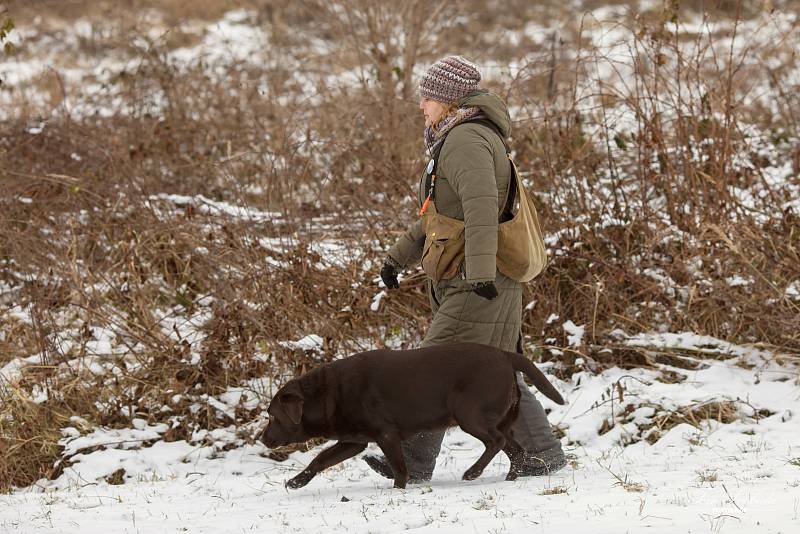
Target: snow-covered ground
645,455
743,476
728,482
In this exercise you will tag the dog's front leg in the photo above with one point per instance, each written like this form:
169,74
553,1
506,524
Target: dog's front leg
390,444
334,454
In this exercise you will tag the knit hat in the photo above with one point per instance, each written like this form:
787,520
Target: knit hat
449,80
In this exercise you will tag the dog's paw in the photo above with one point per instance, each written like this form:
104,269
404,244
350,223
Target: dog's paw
472,474
299,481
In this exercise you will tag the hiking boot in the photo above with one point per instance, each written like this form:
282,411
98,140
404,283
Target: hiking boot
543,463
381,466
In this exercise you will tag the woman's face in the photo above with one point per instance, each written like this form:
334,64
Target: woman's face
432,110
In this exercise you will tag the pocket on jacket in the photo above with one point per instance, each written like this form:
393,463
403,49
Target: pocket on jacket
444,247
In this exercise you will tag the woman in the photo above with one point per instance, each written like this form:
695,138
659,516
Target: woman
465,131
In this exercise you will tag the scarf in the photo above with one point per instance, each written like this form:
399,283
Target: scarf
434,136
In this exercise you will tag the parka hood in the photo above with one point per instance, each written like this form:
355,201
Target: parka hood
493,106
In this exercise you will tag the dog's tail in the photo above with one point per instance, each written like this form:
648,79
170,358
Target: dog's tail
521,363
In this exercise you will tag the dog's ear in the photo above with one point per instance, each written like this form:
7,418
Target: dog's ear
293,405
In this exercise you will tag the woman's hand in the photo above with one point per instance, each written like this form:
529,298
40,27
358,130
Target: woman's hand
486,290
389,273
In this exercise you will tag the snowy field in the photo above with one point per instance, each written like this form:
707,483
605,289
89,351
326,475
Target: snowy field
729,483
743,476
707,440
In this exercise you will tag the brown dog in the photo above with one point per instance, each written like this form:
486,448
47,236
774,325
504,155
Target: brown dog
385,396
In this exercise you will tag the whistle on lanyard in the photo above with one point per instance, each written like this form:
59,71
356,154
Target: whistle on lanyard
431,178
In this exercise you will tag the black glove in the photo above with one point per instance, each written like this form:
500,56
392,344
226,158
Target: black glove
485,289
389,273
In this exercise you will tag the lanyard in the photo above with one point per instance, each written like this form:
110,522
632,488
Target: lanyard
429,184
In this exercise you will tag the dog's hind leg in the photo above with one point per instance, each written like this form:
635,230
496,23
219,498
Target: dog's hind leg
390,444
334,454
492,439
512,449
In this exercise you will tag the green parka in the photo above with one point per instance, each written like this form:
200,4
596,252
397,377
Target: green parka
473,174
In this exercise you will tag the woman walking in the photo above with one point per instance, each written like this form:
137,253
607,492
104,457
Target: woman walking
468,179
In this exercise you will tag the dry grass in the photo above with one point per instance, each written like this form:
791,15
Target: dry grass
623,481
93,246
66,11
555,490
662,420
707,476
29,432
722,411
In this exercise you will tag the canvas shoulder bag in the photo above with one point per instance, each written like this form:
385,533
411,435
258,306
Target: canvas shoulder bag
521,254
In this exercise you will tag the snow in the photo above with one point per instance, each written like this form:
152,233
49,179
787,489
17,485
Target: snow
376,301
234,38
743,476
694,342
574,333
36,130
11,371
211,207
110,439
311,342
793,290
736,281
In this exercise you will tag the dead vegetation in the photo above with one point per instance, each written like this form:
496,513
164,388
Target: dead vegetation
555,490
648,220
662,419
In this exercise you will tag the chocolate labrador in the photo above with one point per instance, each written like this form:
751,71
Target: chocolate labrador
385,396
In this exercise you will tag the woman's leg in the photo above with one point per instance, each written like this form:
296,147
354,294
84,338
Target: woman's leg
420,451
460,315
533,432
